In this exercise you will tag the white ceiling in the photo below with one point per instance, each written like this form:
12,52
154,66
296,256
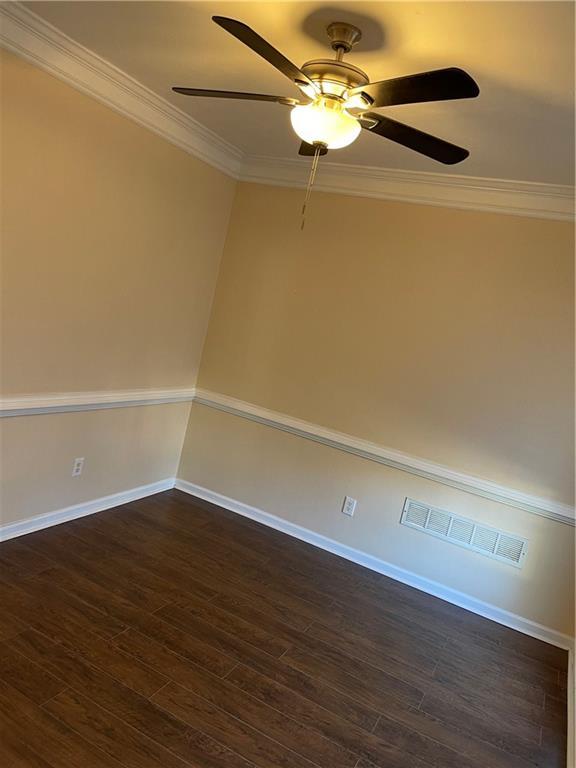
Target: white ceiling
521,54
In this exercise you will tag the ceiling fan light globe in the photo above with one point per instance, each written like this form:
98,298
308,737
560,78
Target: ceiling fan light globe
325,122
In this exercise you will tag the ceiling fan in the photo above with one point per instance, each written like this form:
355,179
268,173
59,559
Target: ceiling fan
338,96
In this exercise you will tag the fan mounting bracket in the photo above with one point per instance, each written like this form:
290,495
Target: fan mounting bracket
343,36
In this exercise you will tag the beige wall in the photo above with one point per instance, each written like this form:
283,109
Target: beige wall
445,334
305,483
442,333
111,242
124,448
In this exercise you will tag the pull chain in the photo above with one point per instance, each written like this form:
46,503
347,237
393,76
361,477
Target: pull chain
316,158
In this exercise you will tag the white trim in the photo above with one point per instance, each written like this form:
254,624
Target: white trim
30,36
571,746
519,198
479,607
49,519
62,402
549,508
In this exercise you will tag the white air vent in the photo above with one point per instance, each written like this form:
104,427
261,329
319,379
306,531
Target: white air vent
466,533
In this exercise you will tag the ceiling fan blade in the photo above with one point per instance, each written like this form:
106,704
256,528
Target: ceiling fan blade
260,46
437,85
236,95
309,150
428,145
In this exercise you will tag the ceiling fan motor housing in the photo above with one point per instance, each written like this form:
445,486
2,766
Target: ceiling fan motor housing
334,78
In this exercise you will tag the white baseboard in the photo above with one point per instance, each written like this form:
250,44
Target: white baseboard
472,604
39,522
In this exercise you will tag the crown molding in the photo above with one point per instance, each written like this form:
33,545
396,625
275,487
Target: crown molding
520,198
415,465
30,36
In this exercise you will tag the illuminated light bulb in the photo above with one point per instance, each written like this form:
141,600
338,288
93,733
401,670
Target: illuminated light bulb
358,101
326,122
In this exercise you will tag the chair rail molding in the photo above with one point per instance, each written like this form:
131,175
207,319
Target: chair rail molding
27,34
62,402
415,465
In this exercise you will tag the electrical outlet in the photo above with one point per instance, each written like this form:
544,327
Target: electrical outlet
349,506
77,467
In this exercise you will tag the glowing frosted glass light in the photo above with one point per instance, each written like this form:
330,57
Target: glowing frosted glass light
325,121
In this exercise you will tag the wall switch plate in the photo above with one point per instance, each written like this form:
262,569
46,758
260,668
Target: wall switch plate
77,467
349,506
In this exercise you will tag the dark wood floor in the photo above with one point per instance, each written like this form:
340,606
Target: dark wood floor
168,633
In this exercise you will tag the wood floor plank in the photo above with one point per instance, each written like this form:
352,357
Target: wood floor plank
200,536
196,539
110,567
27,677
172,632
399,745
232,645
239,651
208,571
401,683
291,733
47,735
125,704
10,625
408,659
17,562
121,610
273,642
374,621
484,729
108,657
441,614
17,753
110,734
472,688
364,683
183,573
234,733
34,605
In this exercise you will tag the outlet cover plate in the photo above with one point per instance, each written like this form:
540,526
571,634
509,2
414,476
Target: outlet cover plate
349,506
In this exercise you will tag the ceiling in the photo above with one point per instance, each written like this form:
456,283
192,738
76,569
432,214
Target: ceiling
520,53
